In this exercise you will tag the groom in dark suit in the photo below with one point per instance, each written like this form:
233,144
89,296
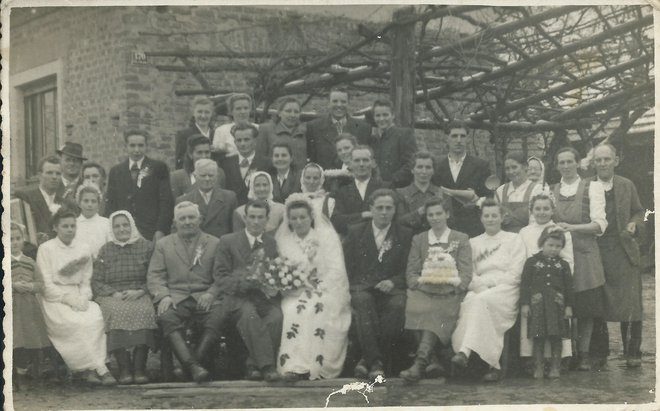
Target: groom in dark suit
323,131
238,168
461,171
376,254
351,200
141,186
243,298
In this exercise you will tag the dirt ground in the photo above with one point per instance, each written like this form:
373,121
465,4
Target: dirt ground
616,385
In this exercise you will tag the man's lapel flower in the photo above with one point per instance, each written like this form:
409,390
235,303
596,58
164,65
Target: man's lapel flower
385,247
144,173
197,260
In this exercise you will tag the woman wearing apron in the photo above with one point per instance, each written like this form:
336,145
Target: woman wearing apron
514,196
580,210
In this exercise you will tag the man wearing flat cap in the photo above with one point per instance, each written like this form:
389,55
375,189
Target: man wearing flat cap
71,156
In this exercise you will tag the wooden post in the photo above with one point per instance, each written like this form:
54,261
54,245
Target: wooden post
402,69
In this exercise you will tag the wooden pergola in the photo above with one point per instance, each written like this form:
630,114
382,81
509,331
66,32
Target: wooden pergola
519,69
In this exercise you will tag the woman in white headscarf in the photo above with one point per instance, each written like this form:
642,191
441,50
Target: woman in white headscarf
312,179
261,188
119,287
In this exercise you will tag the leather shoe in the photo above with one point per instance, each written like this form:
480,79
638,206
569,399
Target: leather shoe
91,377
198,373
361,371
460,360
633,362
108,380
377,369
290,377
435,370
270,374
253,374
493,375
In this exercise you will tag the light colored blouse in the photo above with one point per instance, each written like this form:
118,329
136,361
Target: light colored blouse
53,257
517,194
94,231
498,259
596,200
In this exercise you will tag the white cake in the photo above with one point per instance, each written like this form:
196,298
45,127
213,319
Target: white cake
439,268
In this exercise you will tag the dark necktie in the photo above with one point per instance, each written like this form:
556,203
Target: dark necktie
245,163
135,170
257,244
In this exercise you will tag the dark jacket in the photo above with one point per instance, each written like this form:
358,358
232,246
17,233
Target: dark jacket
151,205
291,185
394,152
321,135
473,174
235,181
217,215
181,144
349,205
362,265
39,209
271,133
542,274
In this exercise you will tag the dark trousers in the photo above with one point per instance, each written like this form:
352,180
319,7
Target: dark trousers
631,335
174,319
379,320
600,340
271,315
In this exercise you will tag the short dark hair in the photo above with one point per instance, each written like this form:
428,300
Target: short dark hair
52,159
347,136
541,197
437,201
568,149
92,164
422,155
281,144
136,132
382,102
382,192
551,232
516,156
456,124
285,101
61,214
246,126
196,140
257,204
489,202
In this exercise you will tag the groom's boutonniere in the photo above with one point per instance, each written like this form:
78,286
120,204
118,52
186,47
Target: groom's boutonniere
197,260
385,247
144,173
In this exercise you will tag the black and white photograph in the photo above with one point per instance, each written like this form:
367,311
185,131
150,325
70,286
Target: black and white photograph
243,205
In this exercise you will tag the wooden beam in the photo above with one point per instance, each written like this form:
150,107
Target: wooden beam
235,55
553,91
590,107
402,69
207,68
510,126
538,59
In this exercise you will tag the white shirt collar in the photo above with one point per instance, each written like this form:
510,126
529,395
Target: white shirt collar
574,183
50,198
378,230
459,161
249,158
362,186
444,238
252,238
207,195
341,120
17,257
286,175
205,134
607,185
139,163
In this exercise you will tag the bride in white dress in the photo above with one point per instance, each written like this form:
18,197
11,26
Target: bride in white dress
315,324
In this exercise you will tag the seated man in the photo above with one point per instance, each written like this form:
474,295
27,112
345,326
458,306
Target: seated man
351,200
258,318
215,204
181,280
376,253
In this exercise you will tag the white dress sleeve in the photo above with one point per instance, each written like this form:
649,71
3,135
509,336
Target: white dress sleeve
597,205
52,293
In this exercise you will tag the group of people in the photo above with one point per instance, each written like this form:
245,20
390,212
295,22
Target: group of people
398,242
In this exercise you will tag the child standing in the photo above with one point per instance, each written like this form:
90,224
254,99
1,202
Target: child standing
29,329
546,299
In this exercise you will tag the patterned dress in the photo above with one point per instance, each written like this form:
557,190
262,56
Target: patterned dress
547,287
121,268
29,328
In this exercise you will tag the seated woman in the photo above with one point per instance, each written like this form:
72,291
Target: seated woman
119,286
311,182
490,307
261,188
74,323
314,339
91,227
438,273
284,173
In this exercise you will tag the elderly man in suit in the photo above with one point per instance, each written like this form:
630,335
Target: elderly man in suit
351,200
141,186
323,131
239,168
215,204
45,199
465,177
619,251
202,112
394,146
243,297
72,158
376,253
182,181
183,282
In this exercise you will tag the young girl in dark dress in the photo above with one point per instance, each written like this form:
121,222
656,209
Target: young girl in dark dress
546,298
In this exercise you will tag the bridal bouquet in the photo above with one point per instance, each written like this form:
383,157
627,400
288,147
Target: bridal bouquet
281,274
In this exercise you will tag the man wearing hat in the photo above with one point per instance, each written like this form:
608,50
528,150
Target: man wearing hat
71,155
619,251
